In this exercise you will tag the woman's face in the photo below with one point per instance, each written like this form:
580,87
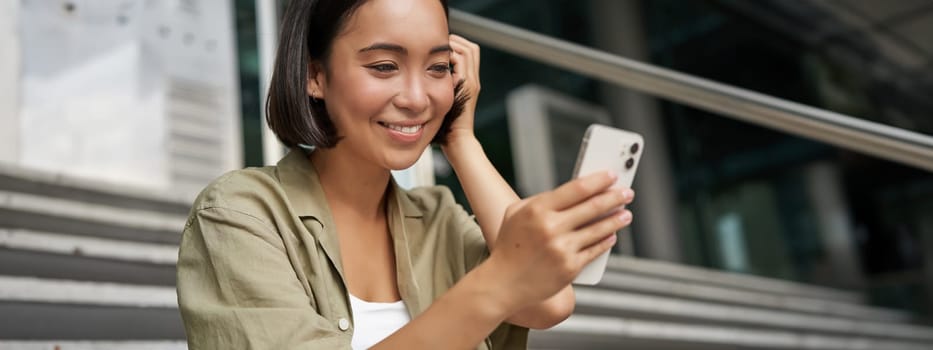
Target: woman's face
388,84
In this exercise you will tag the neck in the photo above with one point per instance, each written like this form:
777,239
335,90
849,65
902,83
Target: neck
351,184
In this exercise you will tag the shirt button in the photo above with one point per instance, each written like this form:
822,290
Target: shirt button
343,323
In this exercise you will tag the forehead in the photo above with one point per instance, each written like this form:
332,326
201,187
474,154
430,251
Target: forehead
410,23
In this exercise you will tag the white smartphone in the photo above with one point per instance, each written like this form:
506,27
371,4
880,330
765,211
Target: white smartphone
606,148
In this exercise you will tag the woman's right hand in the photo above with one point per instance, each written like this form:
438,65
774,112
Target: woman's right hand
546,240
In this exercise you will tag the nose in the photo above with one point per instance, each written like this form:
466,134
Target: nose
413,96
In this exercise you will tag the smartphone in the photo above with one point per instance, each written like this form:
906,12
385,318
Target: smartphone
607,148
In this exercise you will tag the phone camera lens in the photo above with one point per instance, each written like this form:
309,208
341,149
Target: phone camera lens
634,148
629,163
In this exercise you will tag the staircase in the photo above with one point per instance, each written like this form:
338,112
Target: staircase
642,304
85,265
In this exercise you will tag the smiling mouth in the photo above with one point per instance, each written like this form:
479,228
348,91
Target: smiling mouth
411,129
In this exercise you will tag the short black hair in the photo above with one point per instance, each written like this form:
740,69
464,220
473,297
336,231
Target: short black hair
307,35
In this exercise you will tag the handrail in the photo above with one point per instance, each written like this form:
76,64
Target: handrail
848,132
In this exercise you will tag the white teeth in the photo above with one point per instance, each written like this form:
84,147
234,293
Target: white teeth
405,129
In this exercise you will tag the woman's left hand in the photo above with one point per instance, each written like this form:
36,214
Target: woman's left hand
465,58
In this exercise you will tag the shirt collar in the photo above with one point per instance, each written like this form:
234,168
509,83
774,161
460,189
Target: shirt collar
303,188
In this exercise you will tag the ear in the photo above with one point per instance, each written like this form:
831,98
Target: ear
315,81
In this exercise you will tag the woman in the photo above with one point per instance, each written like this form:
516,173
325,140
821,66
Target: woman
325,251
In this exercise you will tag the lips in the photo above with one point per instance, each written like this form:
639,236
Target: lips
407,132
413,129
405,129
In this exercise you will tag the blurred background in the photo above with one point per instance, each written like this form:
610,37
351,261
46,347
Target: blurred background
785,199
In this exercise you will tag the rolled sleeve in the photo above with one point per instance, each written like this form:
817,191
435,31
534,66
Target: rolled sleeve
238,290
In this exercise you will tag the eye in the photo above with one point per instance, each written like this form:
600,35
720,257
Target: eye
383,67
440,68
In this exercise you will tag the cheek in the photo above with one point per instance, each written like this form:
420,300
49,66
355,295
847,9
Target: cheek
369,90
443,95
360,97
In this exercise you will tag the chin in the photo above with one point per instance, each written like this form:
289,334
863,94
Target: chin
404,159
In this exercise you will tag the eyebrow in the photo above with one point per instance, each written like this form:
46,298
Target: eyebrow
402,50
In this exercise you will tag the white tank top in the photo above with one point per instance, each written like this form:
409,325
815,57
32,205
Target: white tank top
373,322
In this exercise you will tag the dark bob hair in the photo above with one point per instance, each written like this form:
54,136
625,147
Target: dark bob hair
307,34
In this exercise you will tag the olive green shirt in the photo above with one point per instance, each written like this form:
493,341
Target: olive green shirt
259,265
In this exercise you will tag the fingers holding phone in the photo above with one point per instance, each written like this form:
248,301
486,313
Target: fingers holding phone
547,239
608,202
564,235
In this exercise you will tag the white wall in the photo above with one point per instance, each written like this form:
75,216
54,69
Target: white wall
88,107
9,81
142,93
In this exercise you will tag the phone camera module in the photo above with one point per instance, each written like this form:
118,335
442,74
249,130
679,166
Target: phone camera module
629,163
634,148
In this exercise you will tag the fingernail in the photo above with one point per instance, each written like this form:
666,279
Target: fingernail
628,193
626,217
612,174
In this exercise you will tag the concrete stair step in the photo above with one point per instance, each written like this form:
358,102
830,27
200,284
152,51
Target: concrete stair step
84,322
48,184
596,302
607,332
100,213
47,214
49,202
93,247
30,253
678,272
697,290
61,309
607,319
92,345
55,266
63,291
